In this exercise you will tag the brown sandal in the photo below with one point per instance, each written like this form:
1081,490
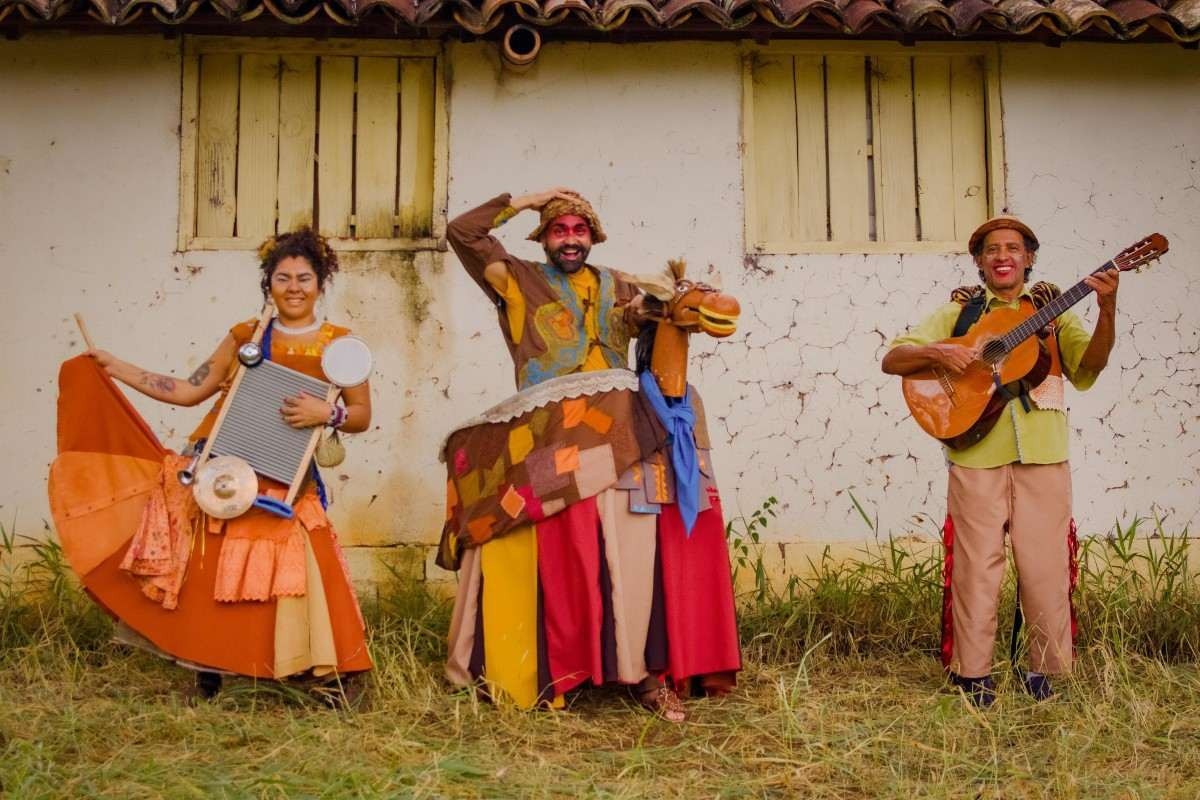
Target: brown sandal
665,703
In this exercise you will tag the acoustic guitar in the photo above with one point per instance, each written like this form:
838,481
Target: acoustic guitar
947,406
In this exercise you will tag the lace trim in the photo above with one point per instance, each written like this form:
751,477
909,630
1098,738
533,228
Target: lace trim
551,391
1048,395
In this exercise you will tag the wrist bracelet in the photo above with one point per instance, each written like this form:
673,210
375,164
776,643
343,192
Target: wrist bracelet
337,416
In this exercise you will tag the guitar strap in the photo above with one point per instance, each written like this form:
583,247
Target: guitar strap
971,312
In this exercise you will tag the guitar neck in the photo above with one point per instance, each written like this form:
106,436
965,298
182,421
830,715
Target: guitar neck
1051,311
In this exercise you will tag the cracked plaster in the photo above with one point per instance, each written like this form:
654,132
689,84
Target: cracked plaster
798,407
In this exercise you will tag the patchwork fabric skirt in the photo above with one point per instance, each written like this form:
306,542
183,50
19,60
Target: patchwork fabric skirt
599,594
258,596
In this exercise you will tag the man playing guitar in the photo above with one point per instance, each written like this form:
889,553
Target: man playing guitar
1010,474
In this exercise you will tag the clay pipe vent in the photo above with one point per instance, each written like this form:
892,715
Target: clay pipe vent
521,45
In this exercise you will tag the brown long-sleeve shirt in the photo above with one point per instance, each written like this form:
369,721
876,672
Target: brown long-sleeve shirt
551,339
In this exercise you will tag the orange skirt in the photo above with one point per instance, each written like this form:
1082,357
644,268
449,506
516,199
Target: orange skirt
108,467
234,637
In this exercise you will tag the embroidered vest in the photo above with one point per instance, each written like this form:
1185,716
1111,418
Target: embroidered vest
561,326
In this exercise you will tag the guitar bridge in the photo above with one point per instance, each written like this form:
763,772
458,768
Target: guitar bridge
947,385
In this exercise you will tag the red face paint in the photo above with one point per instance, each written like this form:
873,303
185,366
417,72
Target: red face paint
569,226
568,240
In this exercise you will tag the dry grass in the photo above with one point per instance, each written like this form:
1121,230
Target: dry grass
818,713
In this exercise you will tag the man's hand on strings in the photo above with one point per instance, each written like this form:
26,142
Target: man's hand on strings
953,357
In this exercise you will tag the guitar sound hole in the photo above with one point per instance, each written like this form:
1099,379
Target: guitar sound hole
993,351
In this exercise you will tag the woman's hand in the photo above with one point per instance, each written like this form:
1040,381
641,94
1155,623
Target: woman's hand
305,411
104,358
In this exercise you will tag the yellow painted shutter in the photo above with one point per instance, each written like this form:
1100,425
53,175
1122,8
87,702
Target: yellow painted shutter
335,161
280,140
216,144
416,147
839,141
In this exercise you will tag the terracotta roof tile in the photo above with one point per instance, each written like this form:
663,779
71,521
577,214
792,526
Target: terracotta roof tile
1117,20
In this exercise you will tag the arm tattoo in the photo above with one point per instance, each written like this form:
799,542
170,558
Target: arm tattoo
159,383
200,374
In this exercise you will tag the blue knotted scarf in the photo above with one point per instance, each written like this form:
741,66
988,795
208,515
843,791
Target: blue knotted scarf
679,419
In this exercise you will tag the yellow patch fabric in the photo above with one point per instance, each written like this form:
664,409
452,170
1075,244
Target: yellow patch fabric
468,488
520,442
539,420
492,478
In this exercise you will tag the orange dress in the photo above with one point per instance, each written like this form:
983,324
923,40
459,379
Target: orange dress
257,596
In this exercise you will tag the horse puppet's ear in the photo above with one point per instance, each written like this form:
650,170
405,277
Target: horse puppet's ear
660,286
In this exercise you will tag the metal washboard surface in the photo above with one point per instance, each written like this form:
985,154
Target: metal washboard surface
254,431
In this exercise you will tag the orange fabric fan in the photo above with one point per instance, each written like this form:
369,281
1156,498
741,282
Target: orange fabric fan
109,462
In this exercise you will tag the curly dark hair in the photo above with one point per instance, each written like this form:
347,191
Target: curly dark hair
303,242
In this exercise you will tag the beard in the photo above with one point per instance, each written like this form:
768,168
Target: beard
568,265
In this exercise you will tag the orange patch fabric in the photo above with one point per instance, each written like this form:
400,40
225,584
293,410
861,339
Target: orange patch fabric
451,500
566,460
597,420
480,528
574,410
512,502
563,325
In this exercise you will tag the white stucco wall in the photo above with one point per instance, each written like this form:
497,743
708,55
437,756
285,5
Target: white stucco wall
1102,147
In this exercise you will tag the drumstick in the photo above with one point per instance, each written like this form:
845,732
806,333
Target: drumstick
83,329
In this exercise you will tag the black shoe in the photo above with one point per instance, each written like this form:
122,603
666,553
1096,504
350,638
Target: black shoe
1038,686
208,684
980,691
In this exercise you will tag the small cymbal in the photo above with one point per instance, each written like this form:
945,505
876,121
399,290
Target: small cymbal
225,487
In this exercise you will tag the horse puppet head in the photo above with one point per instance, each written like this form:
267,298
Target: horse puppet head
687,307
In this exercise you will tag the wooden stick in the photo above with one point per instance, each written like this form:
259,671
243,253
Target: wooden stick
330,396
83,329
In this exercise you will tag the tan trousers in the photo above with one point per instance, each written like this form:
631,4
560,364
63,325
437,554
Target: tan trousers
1032,502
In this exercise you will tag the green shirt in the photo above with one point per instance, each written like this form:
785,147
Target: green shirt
1037,436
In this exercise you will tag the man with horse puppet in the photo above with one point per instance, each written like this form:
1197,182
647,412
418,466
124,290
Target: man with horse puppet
582,513
1009,472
